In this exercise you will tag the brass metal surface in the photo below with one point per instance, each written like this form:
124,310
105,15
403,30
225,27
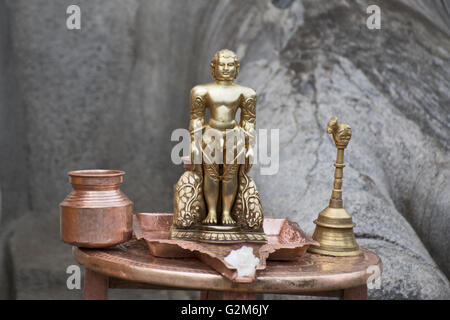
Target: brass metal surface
334,226
217,192
311,273
96,213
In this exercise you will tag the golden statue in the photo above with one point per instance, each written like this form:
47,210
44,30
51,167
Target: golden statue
334,226
216,201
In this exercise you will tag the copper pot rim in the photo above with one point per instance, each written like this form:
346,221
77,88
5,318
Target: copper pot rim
96,173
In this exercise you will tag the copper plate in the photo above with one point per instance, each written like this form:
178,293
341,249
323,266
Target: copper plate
286,241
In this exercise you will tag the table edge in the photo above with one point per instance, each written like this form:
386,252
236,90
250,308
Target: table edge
214,281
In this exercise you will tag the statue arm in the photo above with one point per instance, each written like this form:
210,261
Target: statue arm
197,120
248,124
248,118
198,106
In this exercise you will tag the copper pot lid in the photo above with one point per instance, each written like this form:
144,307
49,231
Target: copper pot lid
96,177
96,173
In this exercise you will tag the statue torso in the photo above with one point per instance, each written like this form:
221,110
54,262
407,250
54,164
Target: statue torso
223,102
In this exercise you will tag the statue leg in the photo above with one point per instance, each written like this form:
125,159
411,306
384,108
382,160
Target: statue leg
229,190
211,192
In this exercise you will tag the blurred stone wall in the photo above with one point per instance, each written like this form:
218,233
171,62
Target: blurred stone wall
110,95
14,187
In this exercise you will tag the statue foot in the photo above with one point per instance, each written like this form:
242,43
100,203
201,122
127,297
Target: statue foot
210,219
226,219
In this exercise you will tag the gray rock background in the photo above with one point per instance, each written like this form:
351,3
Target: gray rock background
110,95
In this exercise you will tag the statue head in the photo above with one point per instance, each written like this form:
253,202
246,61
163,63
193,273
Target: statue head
225,65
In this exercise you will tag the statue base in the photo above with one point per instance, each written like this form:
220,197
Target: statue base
190,210
218,234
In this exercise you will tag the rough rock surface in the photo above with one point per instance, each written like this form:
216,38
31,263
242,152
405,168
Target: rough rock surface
110,95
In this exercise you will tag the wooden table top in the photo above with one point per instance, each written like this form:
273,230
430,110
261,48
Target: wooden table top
132,261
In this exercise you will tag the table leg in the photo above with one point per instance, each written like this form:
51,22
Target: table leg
226,295
356,293
210,295
95,286
231,295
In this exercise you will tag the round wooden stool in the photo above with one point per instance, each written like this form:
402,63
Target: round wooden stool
131,265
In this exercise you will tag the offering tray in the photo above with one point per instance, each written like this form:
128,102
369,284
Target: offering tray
286,241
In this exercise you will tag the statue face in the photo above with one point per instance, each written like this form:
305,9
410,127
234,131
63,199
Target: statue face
225,68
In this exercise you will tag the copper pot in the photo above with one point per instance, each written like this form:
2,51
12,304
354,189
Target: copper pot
96,213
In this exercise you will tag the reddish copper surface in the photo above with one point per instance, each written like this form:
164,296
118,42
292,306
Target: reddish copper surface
96,213
286,241
312,273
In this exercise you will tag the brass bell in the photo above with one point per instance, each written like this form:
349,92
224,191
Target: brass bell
334,225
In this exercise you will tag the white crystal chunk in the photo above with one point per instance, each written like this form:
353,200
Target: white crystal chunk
243,260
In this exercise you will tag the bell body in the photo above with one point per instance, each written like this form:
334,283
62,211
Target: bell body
334,232
96,213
